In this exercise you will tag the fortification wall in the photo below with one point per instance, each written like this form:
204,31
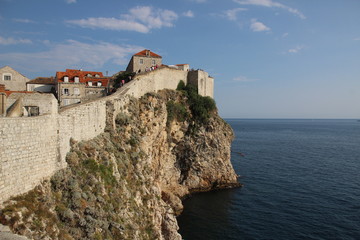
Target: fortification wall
34,148
46,102
203,81
80,122
28,152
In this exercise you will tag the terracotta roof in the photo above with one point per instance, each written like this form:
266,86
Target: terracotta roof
143,53
10,92
42,80
84,76
181,64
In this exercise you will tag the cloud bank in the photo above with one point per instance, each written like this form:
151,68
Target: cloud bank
257,26
296,49
232,13
72,54
13,41
139,19
271,4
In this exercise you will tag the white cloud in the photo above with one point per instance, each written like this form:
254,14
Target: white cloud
296,49
357,39
70,1
271,4
285,35
257,26
189,14
13,41
243,79
110,24
232,13
139,19
21,20
72,54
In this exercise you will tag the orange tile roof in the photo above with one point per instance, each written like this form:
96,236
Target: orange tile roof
7,92
143,53
42,80
83,76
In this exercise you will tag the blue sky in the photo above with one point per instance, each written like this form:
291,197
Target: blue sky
270,58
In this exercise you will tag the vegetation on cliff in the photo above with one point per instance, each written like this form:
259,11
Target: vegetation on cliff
128,182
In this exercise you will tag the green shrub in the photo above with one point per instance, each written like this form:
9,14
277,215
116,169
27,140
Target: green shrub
181,86
176,111
201,107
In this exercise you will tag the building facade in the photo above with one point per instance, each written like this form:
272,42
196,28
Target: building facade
12,79
31,104
3,98
41,84
75,86
144,60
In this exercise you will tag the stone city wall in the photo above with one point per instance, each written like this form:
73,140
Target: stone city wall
33,148
28,152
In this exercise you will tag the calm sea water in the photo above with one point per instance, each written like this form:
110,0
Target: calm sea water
301,181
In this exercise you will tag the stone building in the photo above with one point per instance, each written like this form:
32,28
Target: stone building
75,86
143,60
41,84
31,104
2,100
12,79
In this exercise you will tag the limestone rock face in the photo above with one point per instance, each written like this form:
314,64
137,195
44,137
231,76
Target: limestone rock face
128,182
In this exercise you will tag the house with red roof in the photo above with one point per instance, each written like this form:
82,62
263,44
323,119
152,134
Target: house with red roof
75,86
41,84
144,60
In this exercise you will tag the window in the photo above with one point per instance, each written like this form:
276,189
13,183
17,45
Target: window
66,79
141,61
76,91
89,75
153,62
97,75
7,76
32,110
99,84
90,84
66,102
66,91
76,79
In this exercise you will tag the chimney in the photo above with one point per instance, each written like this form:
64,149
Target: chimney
147,53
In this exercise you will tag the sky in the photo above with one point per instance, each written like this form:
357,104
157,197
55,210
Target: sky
269,58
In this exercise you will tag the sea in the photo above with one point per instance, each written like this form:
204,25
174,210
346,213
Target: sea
301,181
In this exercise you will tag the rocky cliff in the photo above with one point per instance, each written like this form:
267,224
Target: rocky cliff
128,182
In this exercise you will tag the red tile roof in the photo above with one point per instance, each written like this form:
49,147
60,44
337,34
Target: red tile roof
42,80
84,77
143,53
7,92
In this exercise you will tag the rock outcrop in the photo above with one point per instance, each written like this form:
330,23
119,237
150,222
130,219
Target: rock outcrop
128,182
